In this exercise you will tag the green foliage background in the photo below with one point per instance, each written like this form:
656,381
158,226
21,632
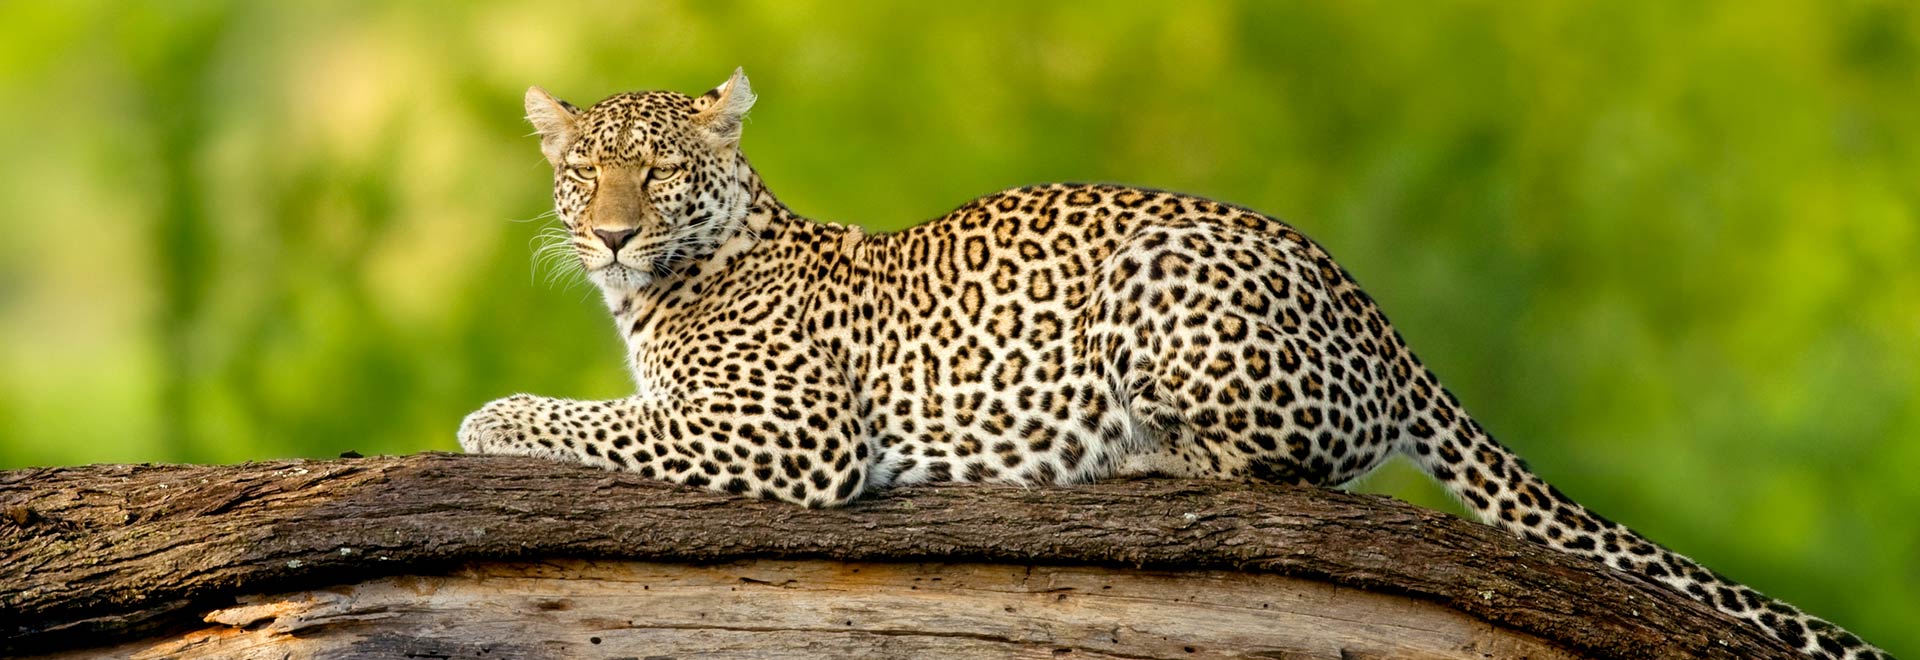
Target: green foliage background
1664,249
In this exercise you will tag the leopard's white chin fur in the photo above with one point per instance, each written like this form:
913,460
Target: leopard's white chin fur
618,279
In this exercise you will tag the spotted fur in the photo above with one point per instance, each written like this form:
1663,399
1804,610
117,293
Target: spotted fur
1056,334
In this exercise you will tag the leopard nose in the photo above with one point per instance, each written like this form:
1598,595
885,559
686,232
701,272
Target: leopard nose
615,238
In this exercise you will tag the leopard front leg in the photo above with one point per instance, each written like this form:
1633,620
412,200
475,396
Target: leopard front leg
782,449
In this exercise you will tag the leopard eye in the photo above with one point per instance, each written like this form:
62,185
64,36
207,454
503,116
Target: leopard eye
663,172
583,172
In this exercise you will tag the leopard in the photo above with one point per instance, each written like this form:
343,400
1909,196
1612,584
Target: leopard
1041,336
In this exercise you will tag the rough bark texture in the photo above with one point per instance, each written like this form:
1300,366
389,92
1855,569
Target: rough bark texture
101,555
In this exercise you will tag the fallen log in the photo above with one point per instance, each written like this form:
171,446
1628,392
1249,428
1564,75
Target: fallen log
438,555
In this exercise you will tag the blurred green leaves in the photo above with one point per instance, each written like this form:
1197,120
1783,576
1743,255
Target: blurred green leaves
1665,250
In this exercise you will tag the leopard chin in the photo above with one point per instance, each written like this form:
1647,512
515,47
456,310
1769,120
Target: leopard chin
619,278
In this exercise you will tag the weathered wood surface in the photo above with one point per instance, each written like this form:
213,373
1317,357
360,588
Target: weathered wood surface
810,609
100,555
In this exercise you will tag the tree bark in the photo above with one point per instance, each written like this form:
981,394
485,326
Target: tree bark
405,551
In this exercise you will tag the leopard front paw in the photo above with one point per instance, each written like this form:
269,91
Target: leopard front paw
498,427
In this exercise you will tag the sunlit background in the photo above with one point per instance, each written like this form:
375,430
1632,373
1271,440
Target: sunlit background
1665,250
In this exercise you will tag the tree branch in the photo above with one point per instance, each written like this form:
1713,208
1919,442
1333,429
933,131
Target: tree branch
109,553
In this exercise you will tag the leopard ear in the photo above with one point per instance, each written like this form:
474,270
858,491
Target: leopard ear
720,111
555,120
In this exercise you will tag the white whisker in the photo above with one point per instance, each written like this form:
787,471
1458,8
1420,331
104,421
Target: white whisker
554,255
544,216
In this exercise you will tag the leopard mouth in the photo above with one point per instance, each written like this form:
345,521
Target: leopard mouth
638,261
620,276
646,264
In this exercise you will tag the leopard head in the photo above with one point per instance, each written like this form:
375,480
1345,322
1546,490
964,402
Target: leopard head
646,182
